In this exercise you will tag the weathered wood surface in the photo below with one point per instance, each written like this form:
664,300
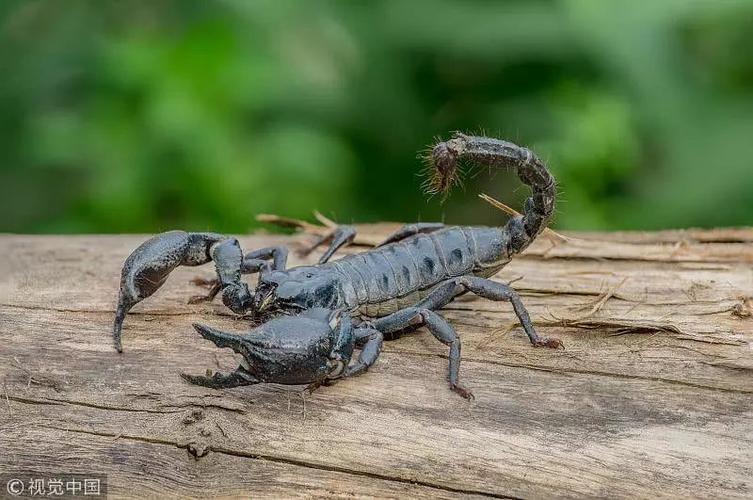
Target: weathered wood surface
652,397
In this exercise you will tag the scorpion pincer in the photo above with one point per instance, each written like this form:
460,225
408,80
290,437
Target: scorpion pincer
314,348
396,286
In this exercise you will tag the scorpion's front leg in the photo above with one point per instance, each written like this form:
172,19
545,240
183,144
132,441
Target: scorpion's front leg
253,262
148,267
369,340
438,326
488,289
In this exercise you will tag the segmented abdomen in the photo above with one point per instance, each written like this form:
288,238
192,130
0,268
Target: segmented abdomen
383,280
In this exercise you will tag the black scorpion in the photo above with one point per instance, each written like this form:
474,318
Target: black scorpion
396,286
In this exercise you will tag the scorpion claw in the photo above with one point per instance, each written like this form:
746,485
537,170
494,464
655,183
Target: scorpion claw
462,391
220,338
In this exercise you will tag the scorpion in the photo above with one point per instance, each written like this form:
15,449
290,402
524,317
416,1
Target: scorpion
316,315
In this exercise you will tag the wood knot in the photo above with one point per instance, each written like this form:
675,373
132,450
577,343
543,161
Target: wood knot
193,417
198,450
744,308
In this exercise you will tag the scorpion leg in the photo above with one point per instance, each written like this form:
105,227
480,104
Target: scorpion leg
278,254
253,262
248,266
438,326
339,237
369,340
214,288
239,377
229,262
488,289
409,230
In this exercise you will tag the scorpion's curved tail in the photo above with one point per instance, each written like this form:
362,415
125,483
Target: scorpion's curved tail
445,160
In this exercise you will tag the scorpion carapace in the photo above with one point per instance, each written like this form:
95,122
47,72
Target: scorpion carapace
396,286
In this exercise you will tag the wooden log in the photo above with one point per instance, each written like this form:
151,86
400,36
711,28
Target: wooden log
653,396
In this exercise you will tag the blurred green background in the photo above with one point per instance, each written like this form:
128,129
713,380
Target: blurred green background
141,116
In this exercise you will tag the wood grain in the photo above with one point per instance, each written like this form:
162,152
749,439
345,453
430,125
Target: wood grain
653,396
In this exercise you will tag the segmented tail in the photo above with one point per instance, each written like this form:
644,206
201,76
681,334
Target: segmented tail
445,162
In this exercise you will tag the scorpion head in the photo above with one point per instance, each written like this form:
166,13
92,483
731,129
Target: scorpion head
297,289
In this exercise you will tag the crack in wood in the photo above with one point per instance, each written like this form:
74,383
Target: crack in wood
59,402
562,371
288,461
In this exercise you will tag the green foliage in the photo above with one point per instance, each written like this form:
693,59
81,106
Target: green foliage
139,116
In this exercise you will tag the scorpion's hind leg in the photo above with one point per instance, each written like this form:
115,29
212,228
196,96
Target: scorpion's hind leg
342,236
492,290
409,230
439,327
339,237
148,267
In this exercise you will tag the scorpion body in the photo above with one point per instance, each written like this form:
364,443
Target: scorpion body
397,275
402,274
397,285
